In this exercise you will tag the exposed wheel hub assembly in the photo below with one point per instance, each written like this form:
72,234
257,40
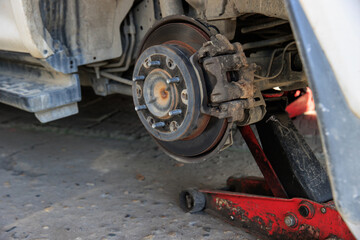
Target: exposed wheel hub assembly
178,98
167,93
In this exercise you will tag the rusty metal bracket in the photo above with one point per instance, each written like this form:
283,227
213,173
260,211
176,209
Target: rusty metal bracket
227,63
231,89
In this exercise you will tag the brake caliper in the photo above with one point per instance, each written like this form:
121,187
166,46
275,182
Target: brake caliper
229,82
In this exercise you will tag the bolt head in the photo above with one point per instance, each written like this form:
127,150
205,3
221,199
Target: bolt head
323,210
223,108
290,221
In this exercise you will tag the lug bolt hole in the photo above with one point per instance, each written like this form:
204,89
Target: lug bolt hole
147,62
150,120
170,63
174,126
138,91
184,96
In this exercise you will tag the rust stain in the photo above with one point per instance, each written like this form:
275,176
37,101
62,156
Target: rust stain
163,93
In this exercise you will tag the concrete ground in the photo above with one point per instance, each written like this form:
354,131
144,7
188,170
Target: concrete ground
98,175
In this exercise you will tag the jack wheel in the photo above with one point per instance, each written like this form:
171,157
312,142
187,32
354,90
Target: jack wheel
192,200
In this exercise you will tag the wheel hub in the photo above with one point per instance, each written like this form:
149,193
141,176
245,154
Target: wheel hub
160,97
168,92
169,105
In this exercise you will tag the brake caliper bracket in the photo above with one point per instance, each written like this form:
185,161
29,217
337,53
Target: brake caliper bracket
232,93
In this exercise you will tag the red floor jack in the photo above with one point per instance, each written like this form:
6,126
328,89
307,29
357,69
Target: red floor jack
292,201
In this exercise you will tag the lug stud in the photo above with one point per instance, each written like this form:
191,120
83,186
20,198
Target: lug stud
173,80
175,112
140,107
158,125
138,78
153,63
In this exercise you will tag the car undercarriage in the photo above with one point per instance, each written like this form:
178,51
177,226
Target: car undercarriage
197,71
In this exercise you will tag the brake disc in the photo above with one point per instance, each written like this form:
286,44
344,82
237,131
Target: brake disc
168,93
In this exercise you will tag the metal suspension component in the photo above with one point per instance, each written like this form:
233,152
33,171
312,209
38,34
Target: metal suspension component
162,98
173,93
194,87
234,92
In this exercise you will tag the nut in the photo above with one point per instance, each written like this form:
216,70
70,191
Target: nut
290,220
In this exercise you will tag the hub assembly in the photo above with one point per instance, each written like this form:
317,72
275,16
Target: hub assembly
168,96
168,92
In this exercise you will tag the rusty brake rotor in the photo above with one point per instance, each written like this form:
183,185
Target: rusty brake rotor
168,94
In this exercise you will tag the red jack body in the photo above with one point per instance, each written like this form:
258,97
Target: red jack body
262,206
